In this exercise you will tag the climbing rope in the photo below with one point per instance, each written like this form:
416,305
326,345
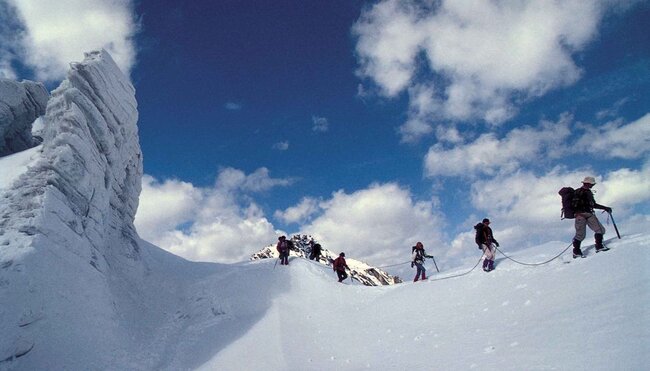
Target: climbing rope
394,265
457,275
534,264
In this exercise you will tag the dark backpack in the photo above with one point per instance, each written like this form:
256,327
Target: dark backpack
479,232
568,202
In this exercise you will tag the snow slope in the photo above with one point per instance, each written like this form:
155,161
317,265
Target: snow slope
587,314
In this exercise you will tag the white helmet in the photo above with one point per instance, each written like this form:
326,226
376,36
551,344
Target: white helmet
589,180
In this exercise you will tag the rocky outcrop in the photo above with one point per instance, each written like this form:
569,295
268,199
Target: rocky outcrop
362,272
20,104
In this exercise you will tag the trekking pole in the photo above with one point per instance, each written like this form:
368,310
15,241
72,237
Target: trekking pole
434,263
276,263
614,224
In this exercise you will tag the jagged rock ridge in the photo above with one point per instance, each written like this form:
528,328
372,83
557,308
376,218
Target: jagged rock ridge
364,273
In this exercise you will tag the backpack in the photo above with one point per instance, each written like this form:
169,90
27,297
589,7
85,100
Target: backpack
568,202
479,232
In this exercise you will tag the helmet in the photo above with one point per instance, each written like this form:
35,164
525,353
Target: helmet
589,180
342,254
486,220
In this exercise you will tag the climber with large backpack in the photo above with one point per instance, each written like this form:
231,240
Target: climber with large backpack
486,242
583,205
283,248
418,257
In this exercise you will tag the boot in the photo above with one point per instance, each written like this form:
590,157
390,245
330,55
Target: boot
576,249
417,277
599,243
491,265
424,276
485,265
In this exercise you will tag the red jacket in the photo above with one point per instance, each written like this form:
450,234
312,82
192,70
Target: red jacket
282,246
340,264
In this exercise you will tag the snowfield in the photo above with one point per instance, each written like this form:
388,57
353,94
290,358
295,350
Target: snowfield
583,314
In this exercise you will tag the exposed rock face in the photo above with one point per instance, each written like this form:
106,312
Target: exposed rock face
362,272
20,104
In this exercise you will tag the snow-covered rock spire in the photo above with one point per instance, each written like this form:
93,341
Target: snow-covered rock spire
88,179
20,104
67,238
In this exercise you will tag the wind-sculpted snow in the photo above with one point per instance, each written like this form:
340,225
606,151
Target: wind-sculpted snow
66,224
20,104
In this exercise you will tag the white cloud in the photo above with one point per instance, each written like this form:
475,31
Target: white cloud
231,179
232,106
490,155
482,54
320,124
59,32
617,140
6,70
281,146
307,207
377,225
165,206
221,223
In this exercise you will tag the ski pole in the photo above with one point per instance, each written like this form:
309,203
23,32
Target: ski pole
276,262
614,224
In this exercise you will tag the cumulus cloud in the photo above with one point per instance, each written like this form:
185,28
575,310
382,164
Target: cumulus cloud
165,206
616,139
299,213
281,146
59,32
471,60
321,124
377,224
220,223
489,155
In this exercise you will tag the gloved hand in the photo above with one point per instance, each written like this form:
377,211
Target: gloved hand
608,209
496,243
412,264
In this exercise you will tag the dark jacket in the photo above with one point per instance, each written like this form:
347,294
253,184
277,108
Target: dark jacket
484,235
419,255
340,264
583,201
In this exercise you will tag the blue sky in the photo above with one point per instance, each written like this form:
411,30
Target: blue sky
369,125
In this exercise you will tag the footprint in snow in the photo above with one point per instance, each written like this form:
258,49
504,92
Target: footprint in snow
489,349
